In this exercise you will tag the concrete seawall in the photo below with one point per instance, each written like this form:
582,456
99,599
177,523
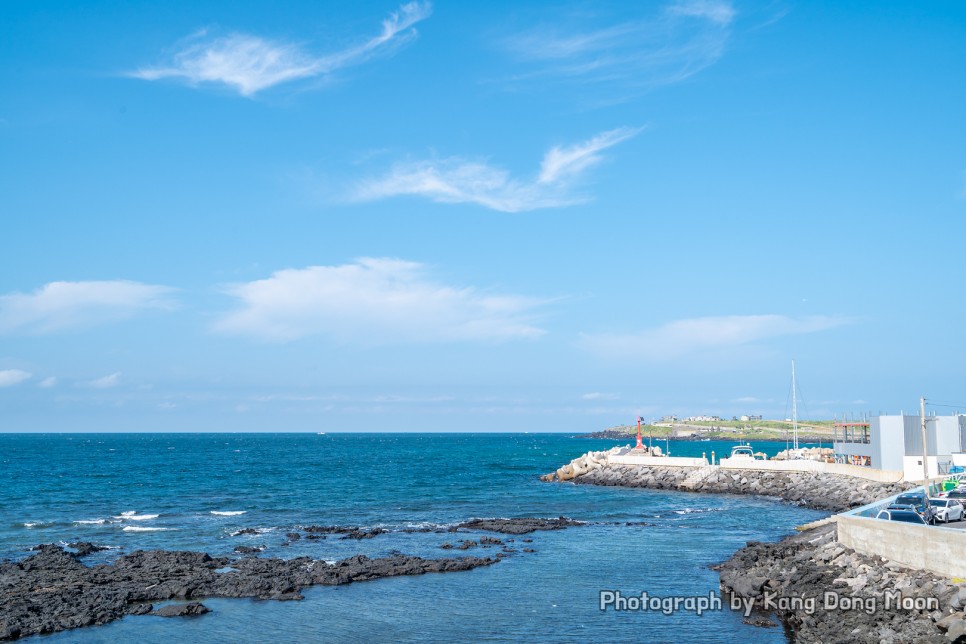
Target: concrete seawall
941,550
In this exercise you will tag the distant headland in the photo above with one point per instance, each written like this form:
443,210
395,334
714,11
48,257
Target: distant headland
746,430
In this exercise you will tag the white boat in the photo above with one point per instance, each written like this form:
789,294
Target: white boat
743,451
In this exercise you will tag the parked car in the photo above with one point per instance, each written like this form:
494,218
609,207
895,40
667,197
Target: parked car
906,516
920,502
948,509
958,493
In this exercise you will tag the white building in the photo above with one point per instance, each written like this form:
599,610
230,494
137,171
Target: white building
895,443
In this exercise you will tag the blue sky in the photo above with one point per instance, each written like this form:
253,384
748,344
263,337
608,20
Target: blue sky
501,217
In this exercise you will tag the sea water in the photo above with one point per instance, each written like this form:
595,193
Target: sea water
196,491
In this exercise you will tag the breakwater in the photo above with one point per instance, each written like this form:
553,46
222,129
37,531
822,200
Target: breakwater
818,490
825,592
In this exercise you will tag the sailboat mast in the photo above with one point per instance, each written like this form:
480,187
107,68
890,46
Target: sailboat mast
794,407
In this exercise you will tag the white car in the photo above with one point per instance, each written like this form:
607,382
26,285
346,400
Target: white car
948,509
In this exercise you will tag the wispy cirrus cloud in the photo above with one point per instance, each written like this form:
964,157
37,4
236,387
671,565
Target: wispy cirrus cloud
105,382
716,11
11,377
250,64
684,338
599,395
374,301
60,306
624,57
457,180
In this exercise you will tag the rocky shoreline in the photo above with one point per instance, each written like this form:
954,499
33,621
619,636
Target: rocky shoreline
824,592
52,590
818,589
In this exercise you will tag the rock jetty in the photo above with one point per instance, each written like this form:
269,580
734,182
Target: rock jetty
824,592
818,490
53,591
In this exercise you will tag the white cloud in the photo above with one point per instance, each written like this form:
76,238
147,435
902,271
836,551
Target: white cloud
597,395
48,382
624,58
718,12
457,180
374,301
63,305
106,382
684,338
250,64
11,377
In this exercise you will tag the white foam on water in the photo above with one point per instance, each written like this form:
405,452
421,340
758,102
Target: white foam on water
35,524
695,510
137,528
228,513
91,521
137,517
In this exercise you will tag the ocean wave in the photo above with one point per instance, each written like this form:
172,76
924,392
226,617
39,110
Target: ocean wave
137,528
134,516
36,524
228,513
91,521
252,531
696,510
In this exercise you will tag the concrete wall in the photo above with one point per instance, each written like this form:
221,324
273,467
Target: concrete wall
662,461
941,550
887,439
854,449
882,476
913,467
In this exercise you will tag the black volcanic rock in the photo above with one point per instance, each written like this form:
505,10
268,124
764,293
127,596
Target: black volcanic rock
182,610
248,550
524,525
85,548
348,532
52,591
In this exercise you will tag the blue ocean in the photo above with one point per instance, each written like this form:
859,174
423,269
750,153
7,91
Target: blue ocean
195,491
